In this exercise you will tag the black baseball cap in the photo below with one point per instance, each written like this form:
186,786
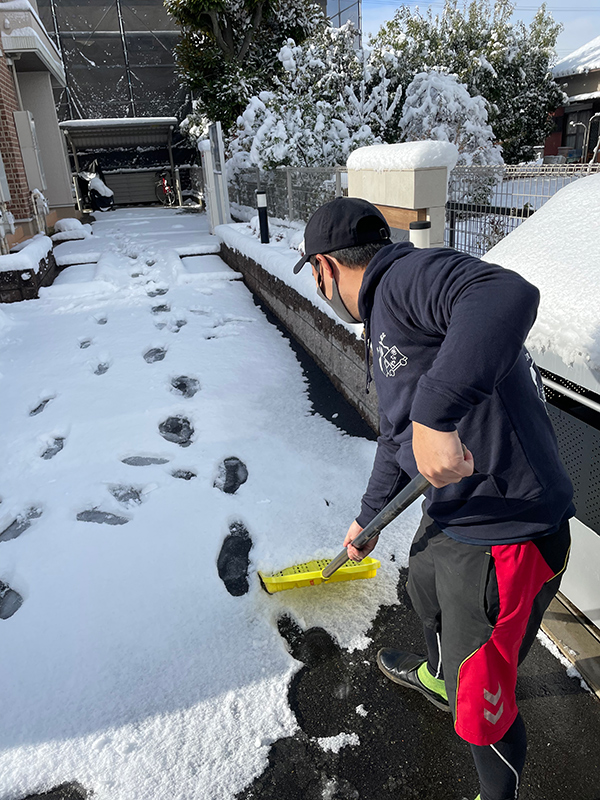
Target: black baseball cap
343,222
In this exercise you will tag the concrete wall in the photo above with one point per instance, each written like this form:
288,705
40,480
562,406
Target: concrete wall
338,352
36,93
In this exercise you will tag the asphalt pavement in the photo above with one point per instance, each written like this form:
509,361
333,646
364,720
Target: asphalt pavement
407,748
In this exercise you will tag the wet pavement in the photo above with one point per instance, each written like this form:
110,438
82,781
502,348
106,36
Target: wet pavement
407,748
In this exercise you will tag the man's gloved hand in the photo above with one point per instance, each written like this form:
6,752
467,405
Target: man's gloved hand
441,457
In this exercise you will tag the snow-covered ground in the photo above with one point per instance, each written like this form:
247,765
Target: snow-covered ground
129,667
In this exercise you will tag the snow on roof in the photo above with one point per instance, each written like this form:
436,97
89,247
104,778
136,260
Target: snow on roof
558,250
581,98
408,155
584,59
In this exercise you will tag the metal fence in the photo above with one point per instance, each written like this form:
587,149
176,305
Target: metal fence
487,203
292,193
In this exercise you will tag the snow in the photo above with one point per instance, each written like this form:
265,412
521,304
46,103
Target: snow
279,258
99,186
129,667
584,59
407,155
558,250
117,121
67,224
334,744
28,257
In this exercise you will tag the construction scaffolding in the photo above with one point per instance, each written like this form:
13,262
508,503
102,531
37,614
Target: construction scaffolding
118,58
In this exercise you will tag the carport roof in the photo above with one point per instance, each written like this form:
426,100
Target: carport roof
126,132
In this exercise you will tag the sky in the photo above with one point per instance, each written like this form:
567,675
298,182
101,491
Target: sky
581,21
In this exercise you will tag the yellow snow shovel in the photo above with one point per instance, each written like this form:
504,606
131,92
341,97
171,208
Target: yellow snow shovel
312,573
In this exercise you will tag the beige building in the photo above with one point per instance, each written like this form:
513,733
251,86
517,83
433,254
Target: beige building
35,180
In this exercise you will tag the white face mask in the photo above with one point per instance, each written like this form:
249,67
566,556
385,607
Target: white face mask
336,302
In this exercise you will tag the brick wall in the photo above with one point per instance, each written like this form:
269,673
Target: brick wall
9,145
337,351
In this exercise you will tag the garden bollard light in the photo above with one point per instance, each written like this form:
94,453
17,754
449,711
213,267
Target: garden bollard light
419,233
261,204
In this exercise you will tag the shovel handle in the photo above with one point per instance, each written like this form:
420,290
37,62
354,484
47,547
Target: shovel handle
403,499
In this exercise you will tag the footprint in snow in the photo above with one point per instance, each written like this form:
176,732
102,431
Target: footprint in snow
185,386
177,325
54,447
101,319
66,791
155,354
163,308
144,461
102,368
20,524
157,291
10,601
85,343
231,475
160,325
41,406
101,517
234,559
178,430
127,495
184,474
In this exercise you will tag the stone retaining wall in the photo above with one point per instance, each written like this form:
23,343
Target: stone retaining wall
24,284
337,352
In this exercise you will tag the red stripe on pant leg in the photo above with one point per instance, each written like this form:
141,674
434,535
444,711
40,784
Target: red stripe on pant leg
485,692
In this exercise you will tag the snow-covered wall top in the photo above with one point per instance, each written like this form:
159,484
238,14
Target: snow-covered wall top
408,155
95,123
558,250
29,257
584,59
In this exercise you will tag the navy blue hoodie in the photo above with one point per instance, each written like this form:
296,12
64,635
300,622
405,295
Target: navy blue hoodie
448,333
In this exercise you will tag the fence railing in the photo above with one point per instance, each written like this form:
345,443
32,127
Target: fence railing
487,203
292,193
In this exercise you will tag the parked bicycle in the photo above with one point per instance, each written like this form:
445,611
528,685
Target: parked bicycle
164,190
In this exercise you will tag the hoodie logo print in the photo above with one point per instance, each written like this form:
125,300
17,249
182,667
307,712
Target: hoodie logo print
390,358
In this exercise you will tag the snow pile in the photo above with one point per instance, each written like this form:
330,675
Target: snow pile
129,667
98,185
584,59
68,224
558,250
409,155
70,229
29,256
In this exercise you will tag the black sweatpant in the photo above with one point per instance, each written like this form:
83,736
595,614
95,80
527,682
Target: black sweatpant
481,607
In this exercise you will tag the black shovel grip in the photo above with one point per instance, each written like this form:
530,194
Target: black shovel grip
395,507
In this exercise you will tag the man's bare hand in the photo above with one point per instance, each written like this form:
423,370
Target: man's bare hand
353,553
441,457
